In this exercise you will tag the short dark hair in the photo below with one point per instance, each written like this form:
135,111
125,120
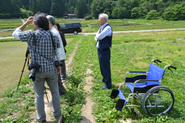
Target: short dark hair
41,20
57,24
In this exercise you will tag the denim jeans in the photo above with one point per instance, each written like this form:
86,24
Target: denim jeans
52,80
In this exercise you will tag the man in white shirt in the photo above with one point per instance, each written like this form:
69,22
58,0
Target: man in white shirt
52,28
104,42
51,20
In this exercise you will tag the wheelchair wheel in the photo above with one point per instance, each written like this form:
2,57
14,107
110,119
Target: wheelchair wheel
158,100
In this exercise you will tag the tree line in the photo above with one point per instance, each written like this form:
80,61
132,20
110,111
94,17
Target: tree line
116,9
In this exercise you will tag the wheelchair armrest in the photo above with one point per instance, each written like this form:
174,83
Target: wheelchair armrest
136,72
133,79
145,80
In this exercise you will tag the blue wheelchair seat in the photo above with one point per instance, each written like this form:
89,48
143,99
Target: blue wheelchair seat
154,73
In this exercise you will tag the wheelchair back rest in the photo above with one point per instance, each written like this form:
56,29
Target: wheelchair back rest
154,73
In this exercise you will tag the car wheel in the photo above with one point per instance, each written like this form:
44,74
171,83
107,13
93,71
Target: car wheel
75,32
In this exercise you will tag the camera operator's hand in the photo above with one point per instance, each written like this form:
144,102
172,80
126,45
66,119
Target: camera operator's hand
58,69
28,21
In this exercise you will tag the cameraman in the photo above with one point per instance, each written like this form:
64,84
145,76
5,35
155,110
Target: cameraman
42,53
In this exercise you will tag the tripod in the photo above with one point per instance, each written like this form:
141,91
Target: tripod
21,78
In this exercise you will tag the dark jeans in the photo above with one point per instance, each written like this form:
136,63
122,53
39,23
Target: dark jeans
104,62
63,70
60,86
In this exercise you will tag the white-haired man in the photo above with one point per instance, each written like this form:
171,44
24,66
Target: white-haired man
52,28
104,42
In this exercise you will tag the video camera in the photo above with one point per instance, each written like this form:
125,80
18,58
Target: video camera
33,67
57,63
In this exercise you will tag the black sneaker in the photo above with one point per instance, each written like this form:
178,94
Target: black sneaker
105,87
100,81
43,121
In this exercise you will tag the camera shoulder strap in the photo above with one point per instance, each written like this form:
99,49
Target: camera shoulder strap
52,40
53,44
34,43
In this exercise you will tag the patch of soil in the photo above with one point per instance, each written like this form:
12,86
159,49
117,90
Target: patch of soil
87,108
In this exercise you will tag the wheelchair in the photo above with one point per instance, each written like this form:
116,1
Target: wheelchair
145,90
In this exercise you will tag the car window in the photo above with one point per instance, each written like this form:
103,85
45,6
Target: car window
69,25
76,24
63,26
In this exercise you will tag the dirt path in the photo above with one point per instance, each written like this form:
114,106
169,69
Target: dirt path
71,56
87,108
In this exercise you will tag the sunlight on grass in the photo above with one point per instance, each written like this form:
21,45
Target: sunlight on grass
129,52
12,55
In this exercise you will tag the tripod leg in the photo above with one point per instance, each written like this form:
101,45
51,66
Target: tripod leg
20,77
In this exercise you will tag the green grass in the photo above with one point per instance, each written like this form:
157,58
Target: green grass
93,26
8,40
9,23
12,55
135,55
130,51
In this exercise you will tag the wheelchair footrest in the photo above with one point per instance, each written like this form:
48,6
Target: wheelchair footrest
119,105
121,102
114,93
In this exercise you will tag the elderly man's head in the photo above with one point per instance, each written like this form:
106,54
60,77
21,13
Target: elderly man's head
51,20
103,18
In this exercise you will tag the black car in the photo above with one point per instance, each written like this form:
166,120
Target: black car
71,28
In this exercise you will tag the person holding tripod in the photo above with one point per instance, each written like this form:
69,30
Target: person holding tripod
44,47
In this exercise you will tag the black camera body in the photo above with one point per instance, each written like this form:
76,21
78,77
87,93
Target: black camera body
57,63
33,67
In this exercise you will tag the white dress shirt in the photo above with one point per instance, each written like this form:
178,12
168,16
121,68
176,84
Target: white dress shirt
15,34
107,31
60,51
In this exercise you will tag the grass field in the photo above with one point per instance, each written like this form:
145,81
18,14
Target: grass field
93,26
129,52
12,57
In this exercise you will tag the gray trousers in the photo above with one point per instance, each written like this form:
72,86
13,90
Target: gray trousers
52,80
63,69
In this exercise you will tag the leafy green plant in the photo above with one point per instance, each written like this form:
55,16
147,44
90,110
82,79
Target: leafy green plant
152,15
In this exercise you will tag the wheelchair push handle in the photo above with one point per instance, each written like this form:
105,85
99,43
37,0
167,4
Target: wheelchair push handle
170,67
156,61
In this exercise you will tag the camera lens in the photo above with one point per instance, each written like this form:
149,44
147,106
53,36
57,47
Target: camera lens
32,73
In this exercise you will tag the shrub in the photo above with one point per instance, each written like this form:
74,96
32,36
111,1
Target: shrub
25,13
152,15
89,17
120,12
135,13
